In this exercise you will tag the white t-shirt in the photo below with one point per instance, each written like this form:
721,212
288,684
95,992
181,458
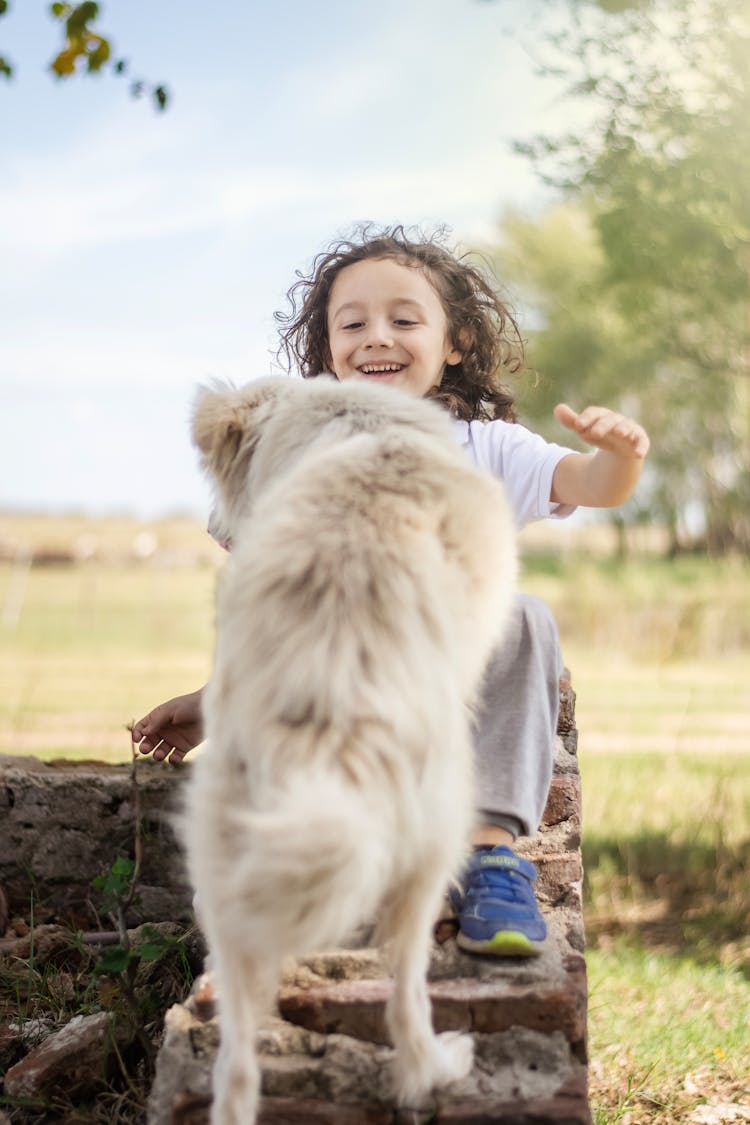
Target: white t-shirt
522,460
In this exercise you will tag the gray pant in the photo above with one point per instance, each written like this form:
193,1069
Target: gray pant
517,720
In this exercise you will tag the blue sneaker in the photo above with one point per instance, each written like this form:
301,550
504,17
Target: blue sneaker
496,906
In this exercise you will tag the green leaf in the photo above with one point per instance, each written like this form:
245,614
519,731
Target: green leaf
98,57
80,16
155,944
6,68
114,960
152,951
65,63
3,7
123,866
114,886
60,11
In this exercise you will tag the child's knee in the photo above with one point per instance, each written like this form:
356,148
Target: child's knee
538,621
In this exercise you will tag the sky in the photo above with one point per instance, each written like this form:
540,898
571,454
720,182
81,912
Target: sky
142,254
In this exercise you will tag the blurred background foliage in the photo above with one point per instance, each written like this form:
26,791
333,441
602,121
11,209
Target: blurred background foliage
636,283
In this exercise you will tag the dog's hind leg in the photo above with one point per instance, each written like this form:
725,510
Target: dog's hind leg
423,1060
245,987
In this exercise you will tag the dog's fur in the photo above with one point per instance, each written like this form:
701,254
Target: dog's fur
371,574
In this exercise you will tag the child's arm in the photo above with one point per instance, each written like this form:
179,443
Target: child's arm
171,729
608,477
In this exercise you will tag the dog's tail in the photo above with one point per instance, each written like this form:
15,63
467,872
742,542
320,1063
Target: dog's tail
303,874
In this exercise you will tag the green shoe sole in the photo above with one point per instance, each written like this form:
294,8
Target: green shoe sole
505,943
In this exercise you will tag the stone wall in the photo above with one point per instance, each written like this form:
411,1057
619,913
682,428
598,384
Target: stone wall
63,823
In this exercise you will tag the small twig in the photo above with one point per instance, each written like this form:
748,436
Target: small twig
95,912
123,905
93,937
133,1089
31,942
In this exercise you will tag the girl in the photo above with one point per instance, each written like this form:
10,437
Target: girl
384,307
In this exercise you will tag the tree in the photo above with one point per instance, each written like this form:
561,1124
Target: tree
84,46
582,347
663,165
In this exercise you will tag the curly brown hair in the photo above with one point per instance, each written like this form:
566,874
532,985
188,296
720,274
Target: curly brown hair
480,325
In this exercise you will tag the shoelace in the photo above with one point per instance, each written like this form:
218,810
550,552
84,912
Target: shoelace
500,880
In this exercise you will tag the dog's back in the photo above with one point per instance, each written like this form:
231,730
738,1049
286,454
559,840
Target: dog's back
365,589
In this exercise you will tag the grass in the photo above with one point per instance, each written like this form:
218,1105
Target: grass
659,655
62,977
667,902
690,1047
647,607
96,646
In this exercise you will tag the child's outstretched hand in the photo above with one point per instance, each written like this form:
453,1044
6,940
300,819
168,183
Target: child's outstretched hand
605,429
171,729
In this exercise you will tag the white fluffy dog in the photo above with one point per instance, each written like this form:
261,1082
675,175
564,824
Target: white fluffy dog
371,573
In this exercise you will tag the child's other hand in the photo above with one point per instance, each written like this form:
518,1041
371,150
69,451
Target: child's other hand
171,729
606,429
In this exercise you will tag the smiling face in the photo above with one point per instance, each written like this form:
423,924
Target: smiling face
387,324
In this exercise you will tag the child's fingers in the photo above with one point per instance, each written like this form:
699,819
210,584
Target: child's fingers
166,752
585,422
639,440
142,739
147,738
139,738
605,428
157,747
566,415
149,746
613,431
171,744
144,727
588,423
596,420
149,730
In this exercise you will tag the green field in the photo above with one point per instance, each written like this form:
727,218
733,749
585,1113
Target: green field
660,657
95,647
660,653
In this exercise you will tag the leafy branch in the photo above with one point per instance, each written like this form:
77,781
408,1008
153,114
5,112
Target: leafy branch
85,48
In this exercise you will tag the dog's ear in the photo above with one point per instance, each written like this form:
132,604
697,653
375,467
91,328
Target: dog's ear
226,422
